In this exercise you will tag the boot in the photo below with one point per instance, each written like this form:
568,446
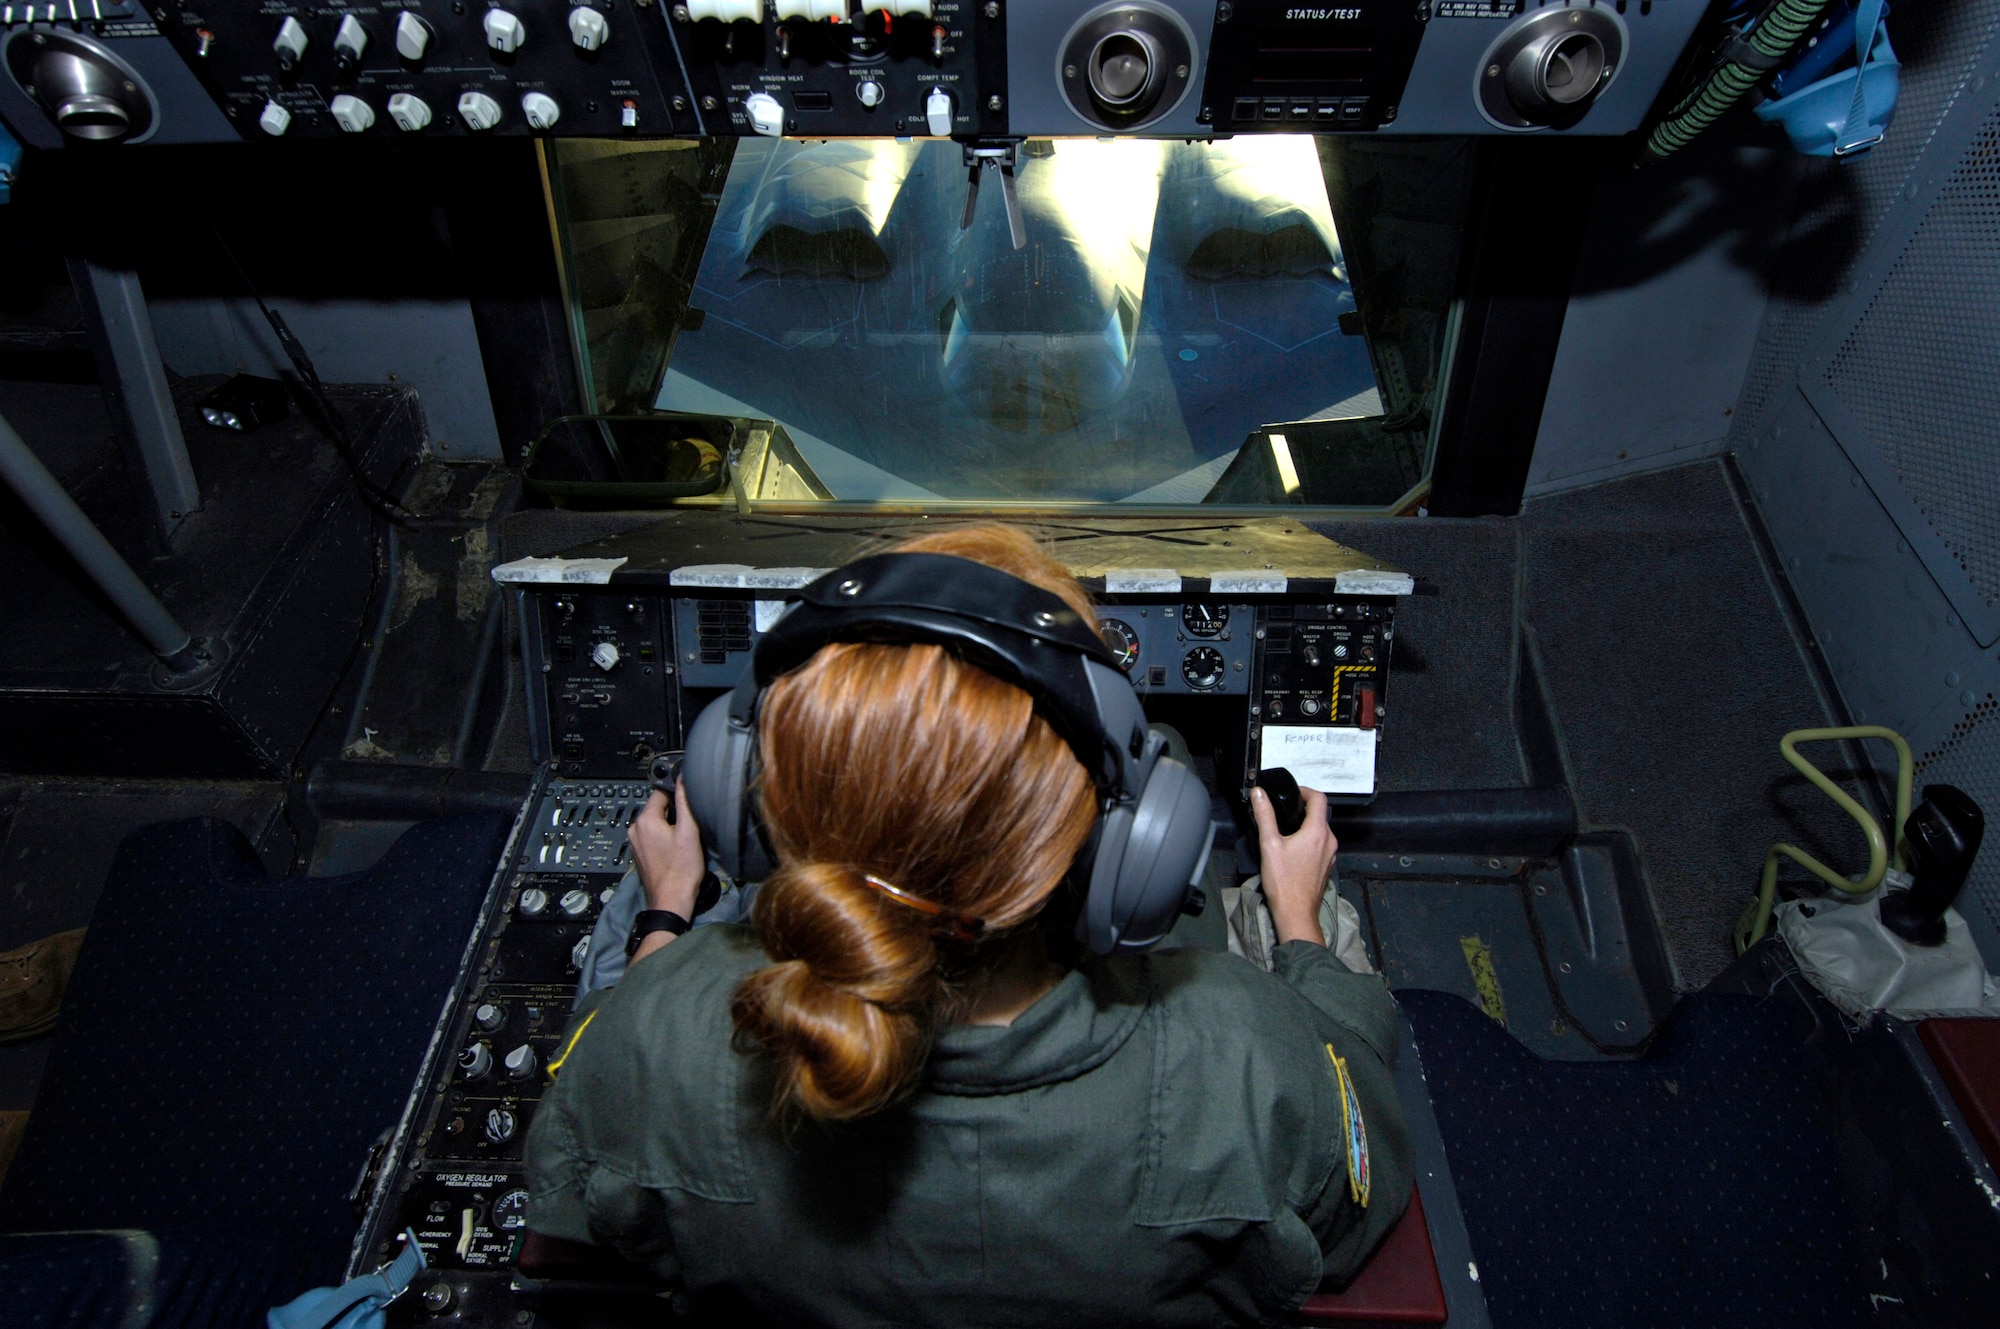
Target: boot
32,981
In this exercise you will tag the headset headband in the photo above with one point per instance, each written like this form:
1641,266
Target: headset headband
1008,627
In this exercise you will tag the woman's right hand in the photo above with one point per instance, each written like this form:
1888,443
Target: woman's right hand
1295,865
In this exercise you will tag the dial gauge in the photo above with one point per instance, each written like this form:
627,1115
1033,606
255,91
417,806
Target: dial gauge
510,1211
1123,641
1204,620
1202,668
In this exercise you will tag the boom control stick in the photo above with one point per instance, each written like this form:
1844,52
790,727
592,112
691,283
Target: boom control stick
1944,834
1287,804
663,773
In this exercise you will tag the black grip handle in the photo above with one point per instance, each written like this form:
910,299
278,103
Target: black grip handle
663,773
1286,801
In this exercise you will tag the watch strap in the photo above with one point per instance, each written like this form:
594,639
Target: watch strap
650,921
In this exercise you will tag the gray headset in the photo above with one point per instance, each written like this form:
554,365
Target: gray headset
1136,874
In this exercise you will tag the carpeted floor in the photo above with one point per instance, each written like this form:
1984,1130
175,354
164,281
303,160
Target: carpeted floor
1698,1186
1673,665
1675,670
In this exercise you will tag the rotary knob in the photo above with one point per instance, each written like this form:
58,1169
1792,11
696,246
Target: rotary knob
521,1062
588,28
274,119
410,112
542,113
767,117
504,31
869,93
501,1125
413,36
533,901
605,654
290,44
351,113
575,903
488,1016
350,39
476,1062
478,110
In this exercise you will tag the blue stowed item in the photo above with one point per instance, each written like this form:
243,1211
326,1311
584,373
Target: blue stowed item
1841,114
357,1303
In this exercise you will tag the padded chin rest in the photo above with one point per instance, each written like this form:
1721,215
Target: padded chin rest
231,1046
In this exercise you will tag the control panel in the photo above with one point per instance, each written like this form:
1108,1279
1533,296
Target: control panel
606,669
968,69
1197,649
454,1169
615,677
814,68
1320,695
282,69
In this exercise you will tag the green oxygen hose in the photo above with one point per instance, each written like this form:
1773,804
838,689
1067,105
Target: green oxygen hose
1751,58
1756,920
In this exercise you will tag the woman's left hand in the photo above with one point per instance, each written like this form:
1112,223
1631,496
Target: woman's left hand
668,854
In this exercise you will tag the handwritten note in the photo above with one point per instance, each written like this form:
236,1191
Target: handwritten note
1331,759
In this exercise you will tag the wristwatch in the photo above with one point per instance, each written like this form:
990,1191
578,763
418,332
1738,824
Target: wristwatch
650,921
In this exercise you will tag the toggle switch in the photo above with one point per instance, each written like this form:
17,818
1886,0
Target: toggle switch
588,29
521,1062
351,113
291,44
938,34
766,117
542,113
409,111
274,119
628,115
476,1062
478,110
413,36
504,32
937,112
350,39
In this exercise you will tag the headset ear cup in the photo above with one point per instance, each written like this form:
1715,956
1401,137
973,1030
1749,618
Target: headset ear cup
1147,860
716,770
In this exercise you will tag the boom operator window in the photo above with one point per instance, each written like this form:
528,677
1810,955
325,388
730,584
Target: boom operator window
1242,321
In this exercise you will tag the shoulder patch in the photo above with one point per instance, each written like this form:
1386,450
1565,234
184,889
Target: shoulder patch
1355,1128
556,1063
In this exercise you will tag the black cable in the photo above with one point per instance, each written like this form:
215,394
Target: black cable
377,498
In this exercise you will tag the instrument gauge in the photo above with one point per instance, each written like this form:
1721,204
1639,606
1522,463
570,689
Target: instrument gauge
1204,620
1202,668
1122,639
510,1211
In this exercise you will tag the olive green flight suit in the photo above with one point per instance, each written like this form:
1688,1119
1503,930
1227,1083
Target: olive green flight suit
1162,1139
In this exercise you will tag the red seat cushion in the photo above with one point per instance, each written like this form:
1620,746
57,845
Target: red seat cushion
1398,1285
1967,1053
